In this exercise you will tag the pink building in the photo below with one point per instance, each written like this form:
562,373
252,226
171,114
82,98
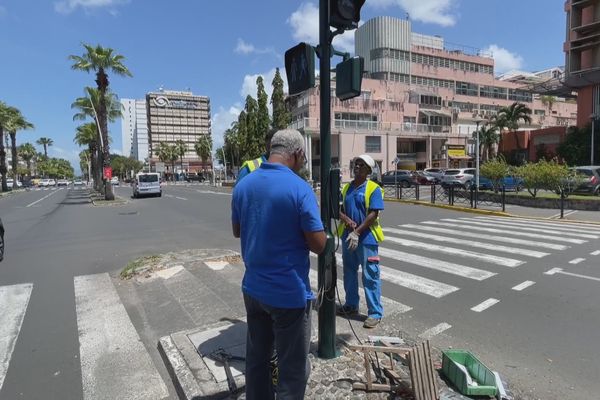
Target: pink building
418,104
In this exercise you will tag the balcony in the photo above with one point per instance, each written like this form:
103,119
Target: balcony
398,128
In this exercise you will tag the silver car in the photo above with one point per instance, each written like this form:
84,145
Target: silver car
463,177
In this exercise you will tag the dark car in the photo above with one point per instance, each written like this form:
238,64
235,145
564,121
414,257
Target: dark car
424,178
1,240
402,178
587,180
194,178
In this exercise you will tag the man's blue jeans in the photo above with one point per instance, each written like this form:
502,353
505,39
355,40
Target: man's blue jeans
286,329
367,256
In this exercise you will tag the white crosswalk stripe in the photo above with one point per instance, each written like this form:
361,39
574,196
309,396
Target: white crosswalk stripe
504,231
540,224
495,238
114,362
13,305
512,225
471,243
506,262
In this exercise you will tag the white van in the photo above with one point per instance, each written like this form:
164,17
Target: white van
147,183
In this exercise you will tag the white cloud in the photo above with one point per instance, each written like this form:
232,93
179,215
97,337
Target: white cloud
68,6
504,60
243,47
221,121
249,84
429,11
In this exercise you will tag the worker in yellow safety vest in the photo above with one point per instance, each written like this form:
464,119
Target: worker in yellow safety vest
252,165
361,233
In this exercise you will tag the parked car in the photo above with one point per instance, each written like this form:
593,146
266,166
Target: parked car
114,181
194,177
462,177
51,182
510,183
10,182
147,183
402,178
423,178
62,182
1,240
437,173
77,182
587,180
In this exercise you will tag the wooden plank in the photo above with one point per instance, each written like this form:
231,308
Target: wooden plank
433,380
375,386
390,373
416,371
380,349
368,370
426,371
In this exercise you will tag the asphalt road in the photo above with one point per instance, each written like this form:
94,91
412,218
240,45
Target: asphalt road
540,335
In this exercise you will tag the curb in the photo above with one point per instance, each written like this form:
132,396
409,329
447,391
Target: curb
118,201
455,208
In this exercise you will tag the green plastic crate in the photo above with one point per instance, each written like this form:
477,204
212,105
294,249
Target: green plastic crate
486,382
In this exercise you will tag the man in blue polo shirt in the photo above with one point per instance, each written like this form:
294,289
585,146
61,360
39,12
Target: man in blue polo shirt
276,214
361,234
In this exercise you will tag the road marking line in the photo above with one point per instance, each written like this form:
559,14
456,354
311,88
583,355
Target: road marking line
518,226
493,230
485,305
213,192
14,300
43,198
114,360
523,285
595,253
169,195
436,330
488,237
571,223
438,265
390,306
472,243
506,262
558,227
180,198
576,260
565,214
554,271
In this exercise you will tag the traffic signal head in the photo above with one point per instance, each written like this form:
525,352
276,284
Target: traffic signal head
300,68
345,14
348,78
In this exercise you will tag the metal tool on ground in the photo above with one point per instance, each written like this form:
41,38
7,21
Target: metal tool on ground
421,380
220,355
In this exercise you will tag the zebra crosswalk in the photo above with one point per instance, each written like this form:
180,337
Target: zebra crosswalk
431,259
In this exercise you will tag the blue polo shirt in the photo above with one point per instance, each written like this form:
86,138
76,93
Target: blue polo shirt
355,208
274,207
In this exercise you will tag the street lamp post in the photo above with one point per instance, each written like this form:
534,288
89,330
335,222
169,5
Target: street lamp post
477,121
593,117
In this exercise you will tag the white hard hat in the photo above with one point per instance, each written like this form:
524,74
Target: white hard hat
368,160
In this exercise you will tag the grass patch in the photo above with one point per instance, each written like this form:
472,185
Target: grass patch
140,265
551,195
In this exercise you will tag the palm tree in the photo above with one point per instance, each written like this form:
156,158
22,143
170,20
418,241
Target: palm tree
87,135
6,113
509,117
27,153
100,60
16,123
46,142
87,107
203,147
488,137
180,148
167,153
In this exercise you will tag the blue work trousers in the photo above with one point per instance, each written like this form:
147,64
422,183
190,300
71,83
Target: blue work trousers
365,255
288,331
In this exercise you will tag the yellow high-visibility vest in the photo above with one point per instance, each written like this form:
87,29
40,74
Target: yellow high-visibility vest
253,164
375,227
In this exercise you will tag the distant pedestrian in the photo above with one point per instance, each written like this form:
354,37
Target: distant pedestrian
252,165
275,213
361,234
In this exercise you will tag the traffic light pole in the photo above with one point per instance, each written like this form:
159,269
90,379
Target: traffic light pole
327,264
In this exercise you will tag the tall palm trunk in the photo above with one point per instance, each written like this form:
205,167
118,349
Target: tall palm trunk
45,151
102,82
13,152
3,161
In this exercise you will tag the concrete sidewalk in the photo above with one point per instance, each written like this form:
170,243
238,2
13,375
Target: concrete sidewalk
192,308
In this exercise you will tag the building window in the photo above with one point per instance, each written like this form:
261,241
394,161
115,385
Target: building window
373,144
539,112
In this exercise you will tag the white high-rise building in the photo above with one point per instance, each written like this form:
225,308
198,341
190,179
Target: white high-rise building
134,129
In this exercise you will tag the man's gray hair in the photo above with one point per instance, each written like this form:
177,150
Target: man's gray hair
286,142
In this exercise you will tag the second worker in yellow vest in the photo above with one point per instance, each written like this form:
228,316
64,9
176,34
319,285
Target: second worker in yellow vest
361,234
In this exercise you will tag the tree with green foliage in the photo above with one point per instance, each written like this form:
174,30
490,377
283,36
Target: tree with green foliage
168,154
45,143
87,135
281,116
510,117
180,148
5,115
575,149
203,147
488,138
253,141
56,168
544,175
12,122
263,121
27,153
101,60
122,166
495,170
85,163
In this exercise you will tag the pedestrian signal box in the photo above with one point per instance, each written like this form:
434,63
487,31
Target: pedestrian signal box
348,78
300,68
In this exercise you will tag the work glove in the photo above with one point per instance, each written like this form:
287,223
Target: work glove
352,241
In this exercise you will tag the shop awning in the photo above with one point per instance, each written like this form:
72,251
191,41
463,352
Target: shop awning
460,157
431,113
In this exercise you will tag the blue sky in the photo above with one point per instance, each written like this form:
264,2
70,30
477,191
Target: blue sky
218,48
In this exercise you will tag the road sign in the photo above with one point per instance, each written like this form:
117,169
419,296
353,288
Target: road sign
300,68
